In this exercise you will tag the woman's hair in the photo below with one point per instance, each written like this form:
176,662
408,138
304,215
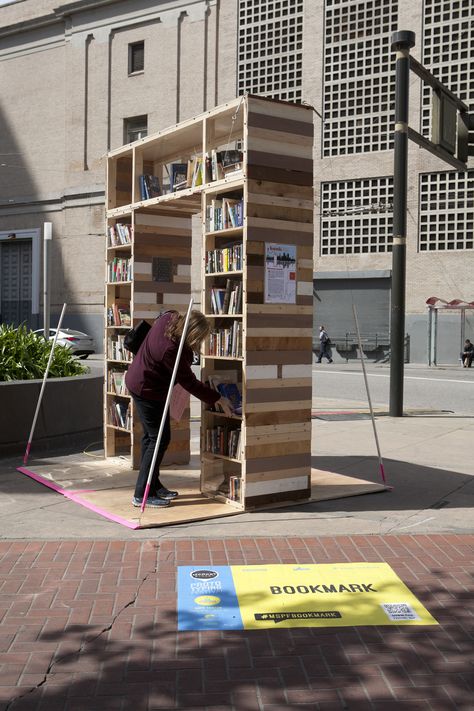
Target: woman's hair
198,328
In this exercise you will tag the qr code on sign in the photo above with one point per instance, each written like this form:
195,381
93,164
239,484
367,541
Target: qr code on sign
399,611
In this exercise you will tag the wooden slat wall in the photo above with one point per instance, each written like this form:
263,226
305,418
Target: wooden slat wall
167,235
278,343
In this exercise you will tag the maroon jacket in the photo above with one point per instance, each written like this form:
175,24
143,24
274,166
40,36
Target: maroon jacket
149,374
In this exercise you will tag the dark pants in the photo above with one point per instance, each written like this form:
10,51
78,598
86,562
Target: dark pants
466,359
324,352
150,413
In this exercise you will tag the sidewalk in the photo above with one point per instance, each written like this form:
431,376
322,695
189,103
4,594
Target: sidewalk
91,626
88,609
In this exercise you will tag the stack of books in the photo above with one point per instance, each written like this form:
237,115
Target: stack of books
149,186
116,349
119,315
224,214
222,440
235,488
120,415
228,300
225,163
117,382
227,259
226,342
119,234
120,270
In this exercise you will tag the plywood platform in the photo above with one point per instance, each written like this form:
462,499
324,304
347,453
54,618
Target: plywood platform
106,487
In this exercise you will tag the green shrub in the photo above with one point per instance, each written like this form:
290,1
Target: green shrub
24,356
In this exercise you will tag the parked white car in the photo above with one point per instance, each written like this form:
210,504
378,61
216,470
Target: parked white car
80,343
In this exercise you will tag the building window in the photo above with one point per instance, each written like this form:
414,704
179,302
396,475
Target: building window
136,57
359,76
135,128
446,211
270,51
356,216
448,38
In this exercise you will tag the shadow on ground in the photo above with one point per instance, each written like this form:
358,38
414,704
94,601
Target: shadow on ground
139,661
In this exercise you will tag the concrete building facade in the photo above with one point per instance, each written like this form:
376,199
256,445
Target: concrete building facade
84,77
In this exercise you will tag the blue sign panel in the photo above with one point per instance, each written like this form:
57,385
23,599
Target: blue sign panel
207,599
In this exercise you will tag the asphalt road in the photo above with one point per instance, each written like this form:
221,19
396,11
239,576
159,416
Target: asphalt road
450,389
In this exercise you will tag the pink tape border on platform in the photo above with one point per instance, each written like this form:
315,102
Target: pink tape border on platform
73,496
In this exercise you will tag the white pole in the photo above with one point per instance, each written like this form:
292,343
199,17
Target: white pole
28,446
368,394
167,404
47,237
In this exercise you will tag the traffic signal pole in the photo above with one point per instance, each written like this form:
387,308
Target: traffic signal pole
401,44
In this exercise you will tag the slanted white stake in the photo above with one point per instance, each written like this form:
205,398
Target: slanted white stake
368,394
38,405
167,404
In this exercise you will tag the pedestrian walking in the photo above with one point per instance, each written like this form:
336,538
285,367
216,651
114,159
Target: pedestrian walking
324,345
467,354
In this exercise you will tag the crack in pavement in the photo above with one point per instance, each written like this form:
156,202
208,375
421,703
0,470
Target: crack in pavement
86,642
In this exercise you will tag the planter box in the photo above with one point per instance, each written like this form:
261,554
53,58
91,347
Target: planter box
71,414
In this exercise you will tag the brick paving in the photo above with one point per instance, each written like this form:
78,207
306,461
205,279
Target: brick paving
91,625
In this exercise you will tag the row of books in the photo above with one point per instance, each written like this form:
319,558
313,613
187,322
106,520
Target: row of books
224,214
149,186
119,269
118,314
228,300
117,382
227,259
226,342
120,415
235,488
223,440
192,173
119,234
116,349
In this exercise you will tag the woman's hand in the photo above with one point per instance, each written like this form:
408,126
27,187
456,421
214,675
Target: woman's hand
225,405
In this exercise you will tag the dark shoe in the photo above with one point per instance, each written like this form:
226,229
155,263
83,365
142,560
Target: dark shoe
166,494
318,361
153,502
330,361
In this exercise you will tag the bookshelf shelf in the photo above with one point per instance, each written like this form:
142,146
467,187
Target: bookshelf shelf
223,315
224,416
216,357
120,247
263,204
227,232
212,455
119,429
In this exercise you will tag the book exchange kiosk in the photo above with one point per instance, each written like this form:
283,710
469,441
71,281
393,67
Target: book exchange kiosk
246,169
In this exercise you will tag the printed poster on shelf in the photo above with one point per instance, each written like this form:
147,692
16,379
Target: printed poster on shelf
280,274
250,597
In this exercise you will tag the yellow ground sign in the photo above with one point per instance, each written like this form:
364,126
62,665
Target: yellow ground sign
277,596
326,595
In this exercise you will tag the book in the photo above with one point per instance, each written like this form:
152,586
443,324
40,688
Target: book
178,176
228,289
152,186
232,393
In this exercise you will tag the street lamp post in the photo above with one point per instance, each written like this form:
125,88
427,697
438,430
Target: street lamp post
401,43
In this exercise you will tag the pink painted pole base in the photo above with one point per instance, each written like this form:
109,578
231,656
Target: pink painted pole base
27,453
145,497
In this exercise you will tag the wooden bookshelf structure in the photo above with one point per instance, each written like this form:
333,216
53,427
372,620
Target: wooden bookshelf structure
246,167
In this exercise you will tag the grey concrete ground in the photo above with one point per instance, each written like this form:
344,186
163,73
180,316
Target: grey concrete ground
428,459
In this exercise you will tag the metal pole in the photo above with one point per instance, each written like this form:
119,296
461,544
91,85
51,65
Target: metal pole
45,377
47,237
401,43
369,399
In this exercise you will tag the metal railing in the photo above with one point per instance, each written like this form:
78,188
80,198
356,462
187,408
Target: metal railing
376,346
